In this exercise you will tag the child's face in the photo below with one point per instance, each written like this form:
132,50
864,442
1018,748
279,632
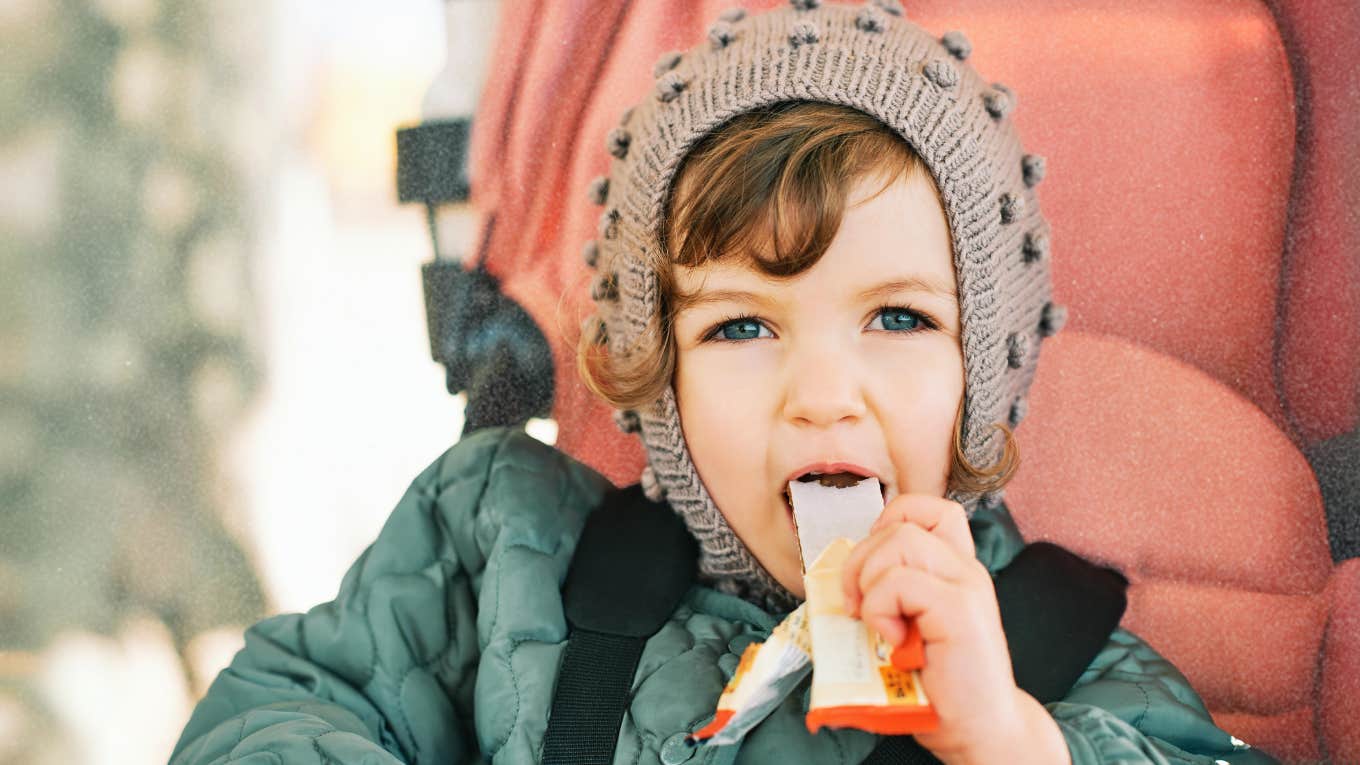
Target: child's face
839,364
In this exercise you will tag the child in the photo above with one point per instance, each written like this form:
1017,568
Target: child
821,251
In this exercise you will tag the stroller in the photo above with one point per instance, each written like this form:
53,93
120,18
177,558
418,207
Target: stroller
1212,302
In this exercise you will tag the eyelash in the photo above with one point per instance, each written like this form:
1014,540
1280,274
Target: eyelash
927,323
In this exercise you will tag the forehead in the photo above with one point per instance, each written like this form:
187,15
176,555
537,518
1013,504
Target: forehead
901,233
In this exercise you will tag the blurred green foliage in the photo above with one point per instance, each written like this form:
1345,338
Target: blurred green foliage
126,323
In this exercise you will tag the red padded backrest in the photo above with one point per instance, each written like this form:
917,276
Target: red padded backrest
1210,511
537,142
1168,128
1320,339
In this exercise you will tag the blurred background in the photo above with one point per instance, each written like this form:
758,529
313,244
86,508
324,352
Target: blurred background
215,379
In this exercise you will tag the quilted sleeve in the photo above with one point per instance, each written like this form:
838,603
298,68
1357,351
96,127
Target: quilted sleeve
1132,706
385,672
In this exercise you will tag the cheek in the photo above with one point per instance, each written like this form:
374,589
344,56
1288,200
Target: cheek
721,389
923,376
916,397
723,413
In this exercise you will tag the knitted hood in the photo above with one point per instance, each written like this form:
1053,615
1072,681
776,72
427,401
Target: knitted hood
868,57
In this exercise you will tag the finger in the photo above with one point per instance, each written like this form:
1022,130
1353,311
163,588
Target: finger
941,517
851,572
901,543
897,595
942,611
854,564
910,545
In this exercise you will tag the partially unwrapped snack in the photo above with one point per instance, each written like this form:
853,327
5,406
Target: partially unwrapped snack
855,684
858,679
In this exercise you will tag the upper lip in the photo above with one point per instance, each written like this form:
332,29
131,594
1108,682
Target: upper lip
833,467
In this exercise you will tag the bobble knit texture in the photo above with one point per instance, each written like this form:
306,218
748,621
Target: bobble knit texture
878,62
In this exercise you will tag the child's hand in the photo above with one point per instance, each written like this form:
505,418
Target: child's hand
918,561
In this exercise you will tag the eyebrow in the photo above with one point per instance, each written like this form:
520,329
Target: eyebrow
910,284
685,301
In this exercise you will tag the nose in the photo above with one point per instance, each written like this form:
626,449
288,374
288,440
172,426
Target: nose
823,387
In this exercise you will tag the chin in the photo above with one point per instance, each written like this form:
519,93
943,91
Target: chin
789,572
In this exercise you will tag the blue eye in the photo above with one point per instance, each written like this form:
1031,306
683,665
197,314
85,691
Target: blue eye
889,318
740,329
899,320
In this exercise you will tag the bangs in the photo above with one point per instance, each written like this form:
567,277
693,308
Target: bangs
769,187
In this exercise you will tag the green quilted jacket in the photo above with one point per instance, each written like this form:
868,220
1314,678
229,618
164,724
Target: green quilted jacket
444,641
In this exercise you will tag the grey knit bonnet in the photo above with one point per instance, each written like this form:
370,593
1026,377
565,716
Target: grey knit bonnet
865,56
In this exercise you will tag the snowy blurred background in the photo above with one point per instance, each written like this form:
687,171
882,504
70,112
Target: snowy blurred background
214,373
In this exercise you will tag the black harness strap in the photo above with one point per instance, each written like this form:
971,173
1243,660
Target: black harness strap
636,560
634,563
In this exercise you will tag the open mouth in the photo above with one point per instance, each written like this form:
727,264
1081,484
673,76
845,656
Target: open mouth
839,479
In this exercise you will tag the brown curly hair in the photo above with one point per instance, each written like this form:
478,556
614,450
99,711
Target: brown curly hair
769,186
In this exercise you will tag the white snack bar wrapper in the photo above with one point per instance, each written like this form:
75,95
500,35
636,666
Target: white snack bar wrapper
824,514
768,672
857,683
